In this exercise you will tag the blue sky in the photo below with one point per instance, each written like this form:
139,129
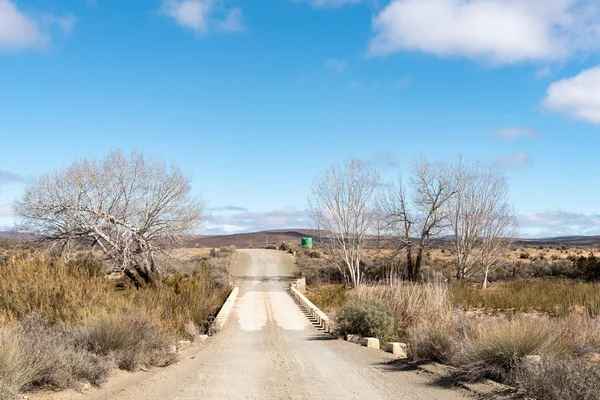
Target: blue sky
254,98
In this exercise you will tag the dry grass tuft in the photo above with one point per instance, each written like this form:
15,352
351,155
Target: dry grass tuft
556,378
130,340
495,349
35,355
17,365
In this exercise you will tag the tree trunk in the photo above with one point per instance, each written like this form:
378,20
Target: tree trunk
133,278
485,277
409,264
417,267
460,272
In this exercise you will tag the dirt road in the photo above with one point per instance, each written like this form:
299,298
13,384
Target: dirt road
269,350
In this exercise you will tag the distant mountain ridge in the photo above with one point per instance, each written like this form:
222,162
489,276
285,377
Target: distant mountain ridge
257,239
243,240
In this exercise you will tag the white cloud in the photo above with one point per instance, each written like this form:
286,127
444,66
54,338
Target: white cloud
515,132
354,84
558,223
18,31
578,97
254,221
23,31
515,160
336,66
497,31
191,14
201,16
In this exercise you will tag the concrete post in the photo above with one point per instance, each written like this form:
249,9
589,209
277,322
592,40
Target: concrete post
397,349
370,343
301,285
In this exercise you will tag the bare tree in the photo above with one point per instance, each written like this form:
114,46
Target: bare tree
130,208
500,230
341,204
395,211
419,213
483,222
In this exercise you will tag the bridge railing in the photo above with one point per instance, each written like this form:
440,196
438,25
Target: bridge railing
320,317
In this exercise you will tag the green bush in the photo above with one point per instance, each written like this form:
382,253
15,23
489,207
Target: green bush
589,267
372,318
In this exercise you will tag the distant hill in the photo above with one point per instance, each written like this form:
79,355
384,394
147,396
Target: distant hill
255,239
562,240
243,240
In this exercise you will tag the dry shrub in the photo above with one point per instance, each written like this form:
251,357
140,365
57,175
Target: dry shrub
582,331
495,348
17,365
329,298
34,355
560,379
315,267
61,360
426,314
48,288
58,293
181,299
412,302
432,340
371,318
132,341
84,325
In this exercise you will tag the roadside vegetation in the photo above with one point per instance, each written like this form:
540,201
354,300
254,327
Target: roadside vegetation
435,265
481,344
92,284
68,325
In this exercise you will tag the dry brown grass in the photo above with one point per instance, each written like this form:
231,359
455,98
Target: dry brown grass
494,349
57,293
130,340
560,378
556,297
83,324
